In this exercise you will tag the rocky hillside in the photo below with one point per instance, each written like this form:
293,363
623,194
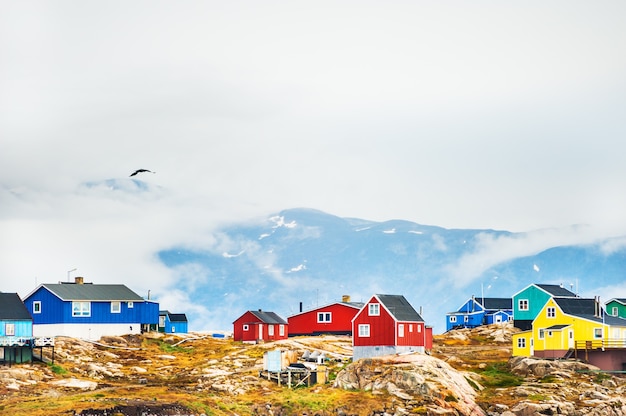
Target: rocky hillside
467,373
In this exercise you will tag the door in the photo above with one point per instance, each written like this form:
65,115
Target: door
532,347
570,338
260,331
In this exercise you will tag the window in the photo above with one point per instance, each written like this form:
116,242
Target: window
270,330
614,309
522,304
410,327
453,319
373,309
9,330
542,334
116,307
37,306
551,312
549,333
419,328
324,317
161,321
131,305
81,309
597,333
466,318
521,343
400,330
364,330
281,330
246,327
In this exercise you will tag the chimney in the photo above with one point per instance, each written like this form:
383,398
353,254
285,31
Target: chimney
300,306
345,298
79,280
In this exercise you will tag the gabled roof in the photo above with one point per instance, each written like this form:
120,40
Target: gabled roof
12,308
268,317
495,303
620,300
355,305
91,292
556,290
578,307
174,317
399,308
557,327
178,317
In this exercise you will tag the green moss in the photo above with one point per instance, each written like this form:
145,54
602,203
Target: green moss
498,375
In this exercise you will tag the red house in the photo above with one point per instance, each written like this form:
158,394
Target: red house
335,318
388,324
259,326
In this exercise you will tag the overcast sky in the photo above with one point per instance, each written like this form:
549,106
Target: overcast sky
482,114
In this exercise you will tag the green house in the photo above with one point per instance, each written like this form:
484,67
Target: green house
528,302
616,307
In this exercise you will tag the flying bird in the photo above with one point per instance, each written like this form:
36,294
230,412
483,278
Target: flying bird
140,171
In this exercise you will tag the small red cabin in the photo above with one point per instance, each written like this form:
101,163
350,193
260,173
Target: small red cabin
335,318
388,324
259,326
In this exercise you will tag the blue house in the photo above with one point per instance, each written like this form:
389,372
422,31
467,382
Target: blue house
480,311
172,323
16,330
89,311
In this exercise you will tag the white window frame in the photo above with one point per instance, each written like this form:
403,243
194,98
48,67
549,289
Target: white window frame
131,304
373,309
281,330
81,309
551,312
324,317
521,342
246,327
598,333
401,330
162,321
466,319
410,327
116,307
37,306
419,328
9,329
615,311
523,305
542,333
364,330
270,330
453,319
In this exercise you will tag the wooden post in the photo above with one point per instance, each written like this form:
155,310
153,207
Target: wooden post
289,378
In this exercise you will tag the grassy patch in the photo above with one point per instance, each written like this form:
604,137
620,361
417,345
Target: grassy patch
600,377
498,375
57,369
538,397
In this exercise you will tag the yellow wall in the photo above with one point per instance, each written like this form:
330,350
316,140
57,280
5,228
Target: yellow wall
525,351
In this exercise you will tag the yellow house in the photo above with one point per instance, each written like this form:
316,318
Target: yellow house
565,325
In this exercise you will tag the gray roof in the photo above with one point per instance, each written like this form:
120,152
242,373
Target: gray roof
91,292
400,308
178,317
557,327
268,317
12,308
495,303
556,290
577,306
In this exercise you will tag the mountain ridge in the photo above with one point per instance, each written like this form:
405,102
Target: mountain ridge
306,255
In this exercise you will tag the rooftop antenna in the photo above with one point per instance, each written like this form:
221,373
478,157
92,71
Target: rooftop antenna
70,271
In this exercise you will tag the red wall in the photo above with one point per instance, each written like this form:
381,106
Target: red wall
305,323
381,327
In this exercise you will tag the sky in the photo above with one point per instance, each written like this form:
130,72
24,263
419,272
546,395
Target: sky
483,114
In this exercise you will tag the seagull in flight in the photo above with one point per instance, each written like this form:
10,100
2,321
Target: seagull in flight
140,171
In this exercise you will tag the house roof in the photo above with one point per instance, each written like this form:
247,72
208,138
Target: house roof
399,307
174,317
91,292
495,303
556,290
268,317
557,327
577,306
178,317
355,305
12,308
620,300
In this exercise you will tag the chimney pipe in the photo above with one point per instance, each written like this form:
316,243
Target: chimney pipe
300,306
79,280
345,298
